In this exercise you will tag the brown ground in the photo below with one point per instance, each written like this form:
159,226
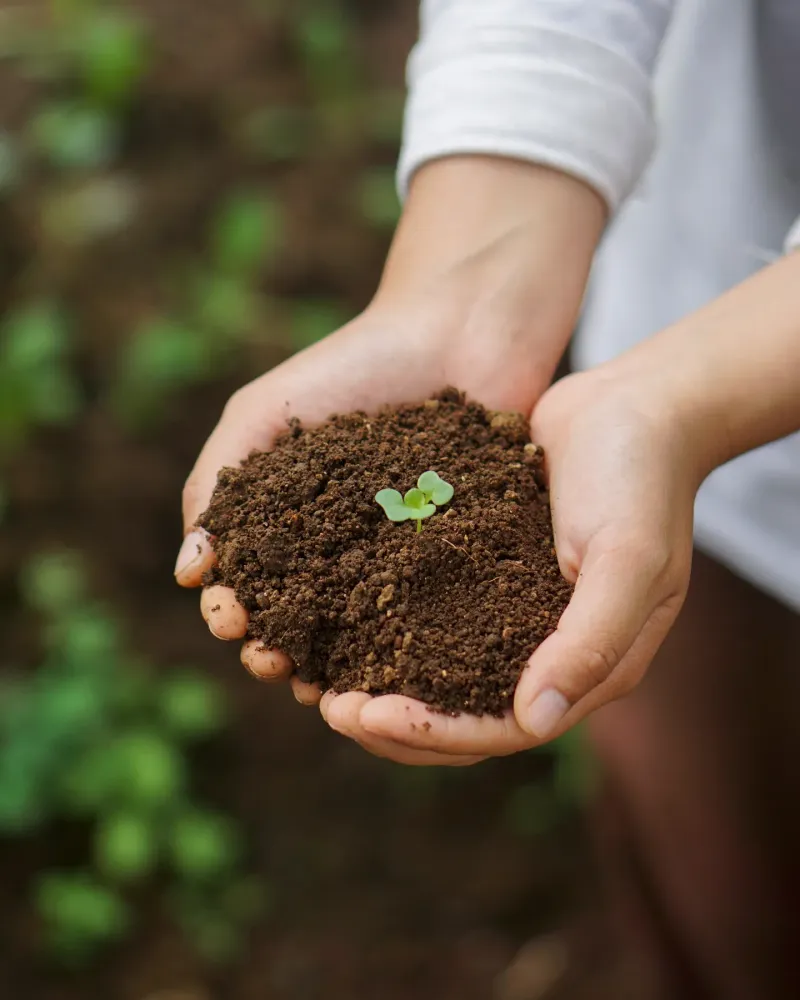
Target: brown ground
449,615
388,884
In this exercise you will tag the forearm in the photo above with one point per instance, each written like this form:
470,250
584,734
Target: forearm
491,240
731,371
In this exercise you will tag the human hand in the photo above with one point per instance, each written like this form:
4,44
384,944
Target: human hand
623,478
486,304
627,446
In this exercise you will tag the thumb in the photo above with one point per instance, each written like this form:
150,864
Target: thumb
241,429
620,612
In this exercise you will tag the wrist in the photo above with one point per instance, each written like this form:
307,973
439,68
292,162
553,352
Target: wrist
494,241
727,374
651,387
461,206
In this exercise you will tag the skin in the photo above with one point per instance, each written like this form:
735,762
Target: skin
482,288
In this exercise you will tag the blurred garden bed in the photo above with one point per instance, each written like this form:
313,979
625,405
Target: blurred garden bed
138,144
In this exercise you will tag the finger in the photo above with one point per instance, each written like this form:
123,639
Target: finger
621,606
342,713
223,614
265,664
194,559
243,426
412,724
305,693
325,702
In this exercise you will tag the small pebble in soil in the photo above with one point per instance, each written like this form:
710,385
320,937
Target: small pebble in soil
449,615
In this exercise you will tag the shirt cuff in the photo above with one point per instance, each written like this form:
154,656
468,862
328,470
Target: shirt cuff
793,239
534,93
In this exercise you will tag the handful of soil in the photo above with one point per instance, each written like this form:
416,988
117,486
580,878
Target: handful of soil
449,615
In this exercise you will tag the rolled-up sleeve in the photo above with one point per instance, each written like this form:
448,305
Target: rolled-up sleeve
565,83
793,239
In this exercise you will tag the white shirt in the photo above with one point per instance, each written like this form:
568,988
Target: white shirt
658,105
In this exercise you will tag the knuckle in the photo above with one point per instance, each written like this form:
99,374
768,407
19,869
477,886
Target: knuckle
626,681
657,560
597,666
654,560
237,403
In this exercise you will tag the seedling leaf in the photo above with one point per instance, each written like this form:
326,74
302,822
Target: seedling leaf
414,498
419,502
435,488
392,503
420,513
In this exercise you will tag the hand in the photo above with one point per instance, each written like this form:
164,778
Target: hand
357,367
486,303
623,480
627,447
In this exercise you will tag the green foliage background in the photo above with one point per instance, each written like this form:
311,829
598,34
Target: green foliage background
118,308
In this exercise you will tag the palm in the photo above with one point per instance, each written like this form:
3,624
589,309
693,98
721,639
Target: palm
365,365
622,505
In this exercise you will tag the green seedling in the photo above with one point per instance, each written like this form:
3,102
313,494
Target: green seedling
418,503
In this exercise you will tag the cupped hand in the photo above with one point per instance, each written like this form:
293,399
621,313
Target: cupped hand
481,291
622,481
386,356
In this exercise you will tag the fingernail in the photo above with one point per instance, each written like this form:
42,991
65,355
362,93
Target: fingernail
190,552
259,676
547,710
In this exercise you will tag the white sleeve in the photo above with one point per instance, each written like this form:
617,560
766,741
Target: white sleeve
566,83
793,239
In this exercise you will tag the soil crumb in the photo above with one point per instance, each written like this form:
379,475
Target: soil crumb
449,615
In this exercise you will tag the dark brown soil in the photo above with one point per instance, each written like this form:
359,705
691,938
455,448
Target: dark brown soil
449,615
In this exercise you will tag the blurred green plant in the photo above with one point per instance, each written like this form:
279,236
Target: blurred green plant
377,198
97,48
80,913
538,808
10,163
160,357
311,319
37,384
98,54
324,38
109,52
246,234
71,135
323,35
96,736
223,307
278,134
576,773
383,116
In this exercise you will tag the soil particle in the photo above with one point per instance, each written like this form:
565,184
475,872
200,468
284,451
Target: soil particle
448,616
